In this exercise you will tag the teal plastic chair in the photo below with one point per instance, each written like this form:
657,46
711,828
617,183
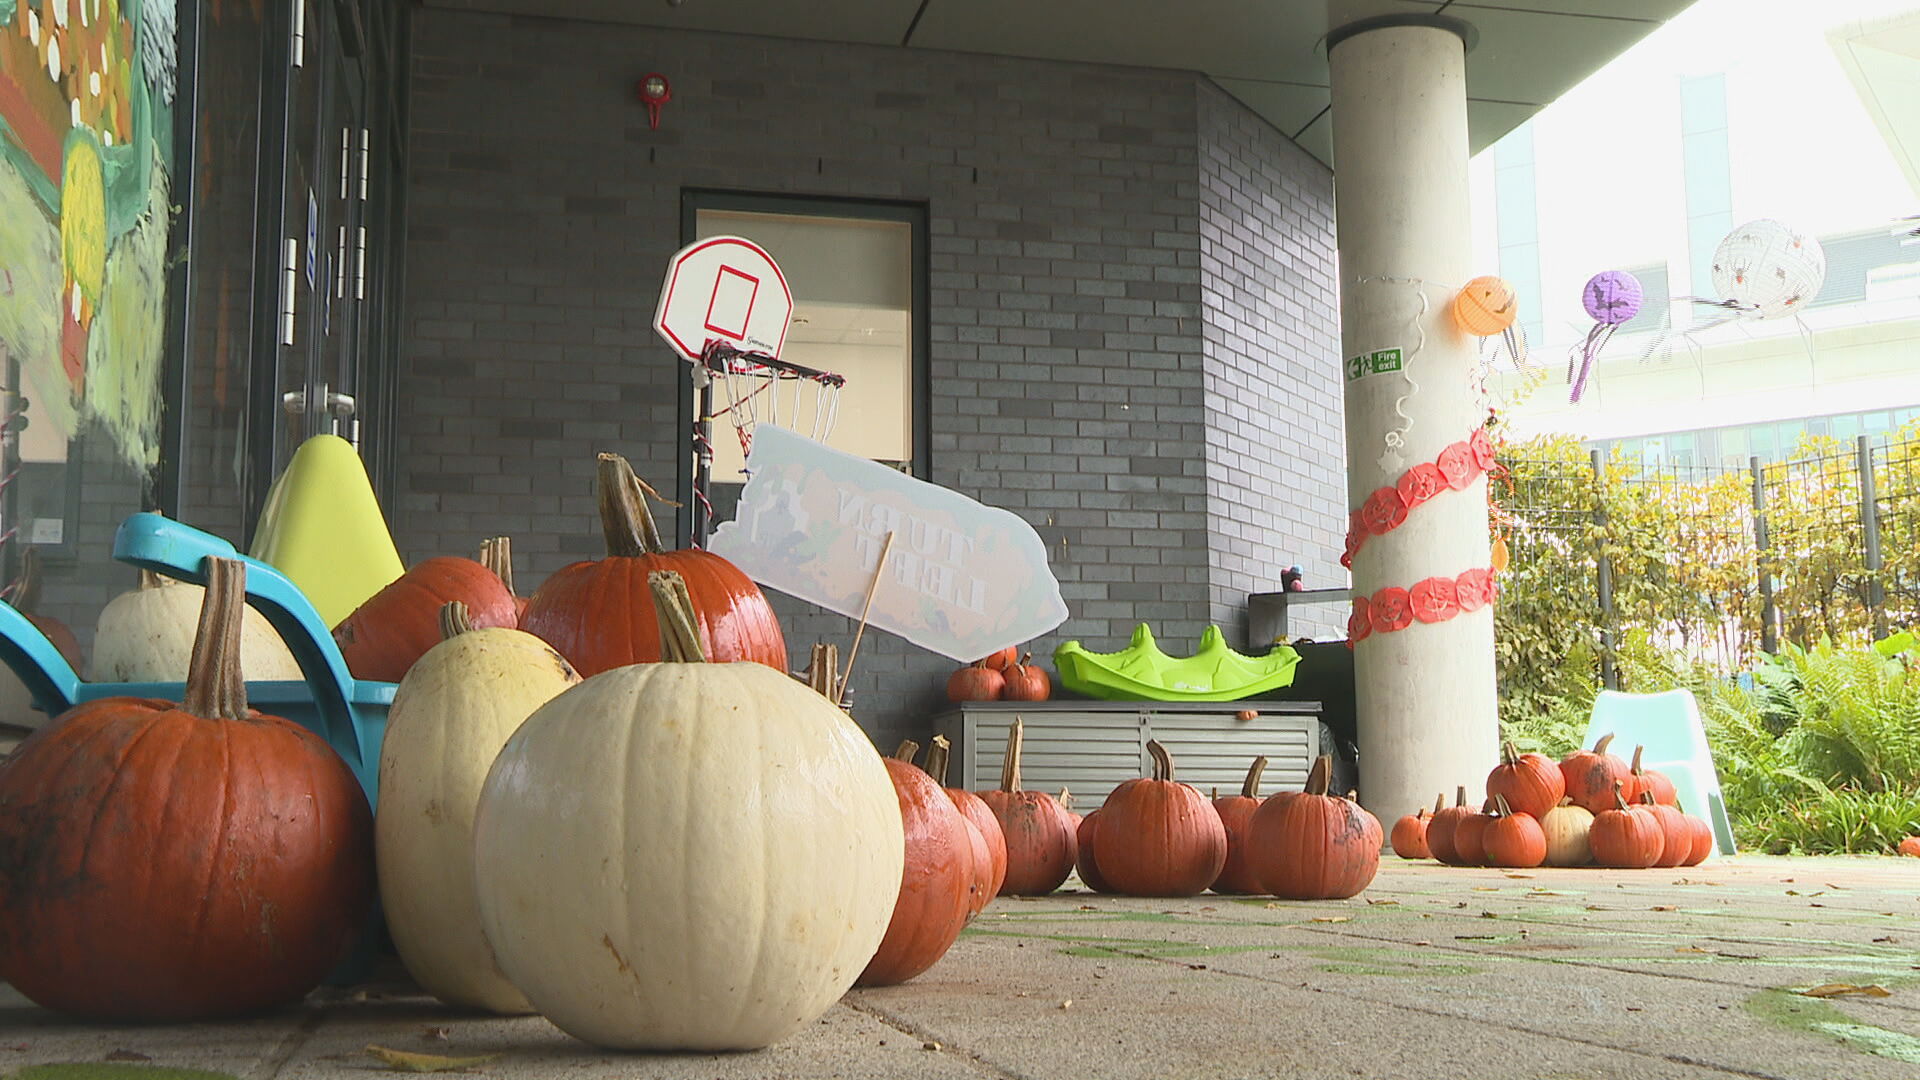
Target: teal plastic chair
1668,725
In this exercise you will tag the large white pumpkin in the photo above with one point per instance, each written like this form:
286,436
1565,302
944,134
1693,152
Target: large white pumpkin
147,636
455,709
687,856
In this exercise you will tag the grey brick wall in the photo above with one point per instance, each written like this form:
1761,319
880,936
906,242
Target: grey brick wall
1072,349
1276,449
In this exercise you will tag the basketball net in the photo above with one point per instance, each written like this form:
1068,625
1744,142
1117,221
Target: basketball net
750,386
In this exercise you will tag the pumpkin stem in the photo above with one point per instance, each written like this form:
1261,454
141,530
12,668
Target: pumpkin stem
454,620
1646,798
1010,764
1460,795
1250,787
1500,805
1440,803
1618,798
1322,773
1637,751
625,519
1066,799
151,580
1162,761
907,751
1508,755
937,760
215,688
496,555
673,606
1600,747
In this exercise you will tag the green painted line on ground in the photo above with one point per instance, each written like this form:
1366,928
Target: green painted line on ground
1818,1017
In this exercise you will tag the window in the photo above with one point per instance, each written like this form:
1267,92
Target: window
857,271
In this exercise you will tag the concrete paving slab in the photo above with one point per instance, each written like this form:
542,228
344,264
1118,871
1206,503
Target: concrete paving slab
1433,972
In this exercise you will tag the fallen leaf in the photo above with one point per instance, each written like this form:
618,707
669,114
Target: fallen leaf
1519,875
1793,892
1663,907
1196,967
1331,918
1209,909
128,1055
1383,903
1843,989
405,1061
438,1034
1419,944
1088,907
1818,892
1635,1008
1473,937
1486,888
1888,940
1831,885
1488,915
1067,1004
1595,907
929,1046
1692,949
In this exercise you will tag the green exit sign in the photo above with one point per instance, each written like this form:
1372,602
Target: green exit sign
1374,363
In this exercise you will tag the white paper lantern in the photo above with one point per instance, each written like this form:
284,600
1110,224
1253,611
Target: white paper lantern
1767,270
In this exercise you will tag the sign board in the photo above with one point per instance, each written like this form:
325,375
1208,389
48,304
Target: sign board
962,579
724,287
1374,363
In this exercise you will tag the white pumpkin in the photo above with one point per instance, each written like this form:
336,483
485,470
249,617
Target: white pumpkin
687,856
1566,827
147,636
455,709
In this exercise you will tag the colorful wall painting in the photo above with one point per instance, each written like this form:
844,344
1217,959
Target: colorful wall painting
86,152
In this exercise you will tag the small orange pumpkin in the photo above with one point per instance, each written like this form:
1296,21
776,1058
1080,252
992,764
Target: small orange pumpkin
1314,846
937,885
1026,682
397,625
976,682
977,814
1514,839
1041,843
1625,837
1236,814
1441,829
1590,776
1651,781
1531,783
1410,832
1159,837
1676,836
1083,858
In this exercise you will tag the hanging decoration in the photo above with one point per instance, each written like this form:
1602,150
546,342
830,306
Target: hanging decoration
1761,270
1486,307
1384,510
1612,298
1434,600
1396,439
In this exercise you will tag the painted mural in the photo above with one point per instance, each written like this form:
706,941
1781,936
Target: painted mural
86,142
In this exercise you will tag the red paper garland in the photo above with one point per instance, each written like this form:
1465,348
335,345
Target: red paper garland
1386,509
1434,600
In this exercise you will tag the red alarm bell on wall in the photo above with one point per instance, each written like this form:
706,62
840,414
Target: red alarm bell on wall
655,91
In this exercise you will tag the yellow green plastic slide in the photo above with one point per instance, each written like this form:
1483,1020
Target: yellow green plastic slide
1141,672
322,527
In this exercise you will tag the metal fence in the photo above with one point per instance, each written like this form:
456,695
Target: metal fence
1722,562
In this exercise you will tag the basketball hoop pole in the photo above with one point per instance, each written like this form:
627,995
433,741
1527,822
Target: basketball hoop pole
703,461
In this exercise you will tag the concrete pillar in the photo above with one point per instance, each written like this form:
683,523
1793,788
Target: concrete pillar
1426,700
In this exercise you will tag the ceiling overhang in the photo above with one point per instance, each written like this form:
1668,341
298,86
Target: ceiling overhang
1268,54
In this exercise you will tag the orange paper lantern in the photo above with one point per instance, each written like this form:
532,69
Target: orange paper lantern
1485,306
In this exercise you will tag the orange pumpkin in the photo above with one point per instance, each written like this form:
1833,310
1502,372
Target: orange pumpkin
976,682
1652,782
1441,829
1531,783
1676,837
1701,846
936,888
1590,776
1514,839
1409,835
1910,846
1041,843
1083,858
1470,839
1236,813
1026,682
180,861
599,613
1314,846
1625,837
977,814
1159,837
397,625
1000,660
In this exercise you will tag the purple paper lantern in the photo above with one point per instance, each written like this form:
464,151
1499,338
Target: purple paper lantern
1612,297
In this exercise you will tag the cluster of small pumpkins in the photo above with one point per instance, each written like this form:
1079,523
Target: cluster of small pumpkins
1156,836
1008,675
1592,808
544,839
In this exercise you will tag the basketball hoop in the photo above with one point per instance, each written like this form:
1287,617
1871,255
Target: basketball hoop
799,398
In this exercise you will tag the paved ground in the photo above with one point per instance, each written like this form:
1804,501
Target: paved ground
1432,973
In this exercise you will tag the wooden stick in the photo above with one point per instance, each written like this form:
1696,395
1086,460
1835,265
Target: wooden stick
874,587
